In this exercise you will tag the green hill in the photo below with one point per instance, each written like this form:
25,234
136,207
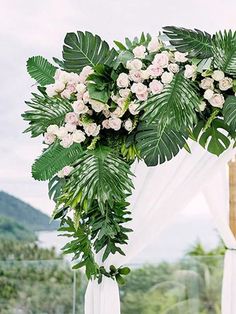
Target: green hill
10,229
24,214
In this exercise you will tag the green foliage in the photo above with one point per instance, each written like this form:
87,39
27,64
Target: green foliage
83,49
41,70
158,144
175,106
214,138
195,42
229,112
53,159
100,175
224,50
44,112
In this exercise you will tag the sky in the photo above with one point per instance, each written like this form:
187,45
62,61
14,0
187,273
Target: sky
31,28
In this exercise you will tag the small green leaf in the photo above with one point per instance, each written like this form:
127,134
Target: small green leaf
124,271
41,70
120,280
119,45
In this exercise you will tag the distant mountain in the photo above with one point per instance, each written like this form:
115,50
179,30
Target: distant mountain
24,214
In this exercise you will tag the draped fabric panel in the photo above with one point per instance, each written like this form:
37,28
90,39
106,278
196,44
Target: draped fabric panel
160,193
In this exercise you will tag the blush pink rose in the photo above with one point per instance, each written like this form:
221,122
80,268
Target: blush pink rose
156,87
71,118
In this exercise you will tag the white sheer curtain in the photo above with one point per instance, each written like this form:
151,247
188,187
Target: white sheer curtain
160,194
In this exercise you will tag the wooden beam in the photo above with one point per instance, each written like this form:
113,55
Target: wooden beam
232,196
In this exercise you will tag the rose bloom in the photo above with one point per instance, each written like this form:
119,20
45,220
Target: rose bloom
208,94
202,106
96,105
78,136
71,117
86,71
118,112
133,108
128,125
135,75
64,172
70,127
106,124
145,74
66,141
53,128
156,87
123,80
115,123
66,93
154,45
139,52
61,76
49,138
61,132
124,93
161,59
79,107
92,129
59,86
138,88
207,83
73,78
106,113
180,57
81,88
50,90
134,64
218,75
225,84
86,97
173,67
167,77
120,102
155,70
190,71
217,100
142,96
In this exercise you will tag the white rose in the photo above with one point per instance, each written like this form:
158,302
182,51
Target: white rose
128,125
86,97
217,100
50,90
207,83
156,87
70,127
61,132
49,138
71,117
66,141
180,57
145,74
161,59
218,75
96,105
190,71
61,76
138,88
86,71
106,124
135,75
92,129
78,136
133,108
155,70
120,102
115,123
79,107
52,129
167,77
73,78
154,45
124,93
59,86
66,94
225,84
81,88
208,94
65,172
118,112
106,113
134,64
139,52
142,96
202,106
123,80
173,67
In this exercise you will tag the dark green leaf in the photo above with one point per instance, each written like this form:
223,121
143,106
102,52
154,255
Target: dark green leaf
41,70
229,112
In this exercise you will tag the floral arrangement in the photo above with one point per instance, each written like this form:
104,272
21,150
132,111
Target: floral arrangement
100,109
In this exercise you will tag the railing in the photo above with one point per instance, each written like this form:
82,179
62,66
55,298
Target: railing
191,285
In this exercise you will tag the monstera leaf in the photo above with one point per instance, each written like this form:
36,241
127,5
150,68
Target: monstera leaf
54,159
41,70
175,106
215,138
44,112
157,144
85,49
229,112
99,174
225,51
195,42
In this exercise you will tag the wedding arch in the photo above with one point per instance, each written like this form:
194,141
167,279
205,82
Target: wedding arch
103,113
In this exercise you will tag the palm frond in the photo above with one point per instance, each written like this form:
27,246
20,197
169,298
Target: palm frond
224,51
101,175
54,159
197,43
157,144
82,49
175,106
229,112
44,112
41,70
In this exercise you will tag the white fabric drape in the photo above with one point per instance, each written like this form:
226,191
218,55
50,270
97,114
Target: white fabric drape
160,193
218,201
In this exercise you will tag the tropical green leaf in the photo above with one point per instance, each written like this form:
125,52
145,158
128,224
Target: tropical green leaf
224,51
41,70
83,49
53,159
98,174
197,43
157,144
175,106
44,112
229,112
215,138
